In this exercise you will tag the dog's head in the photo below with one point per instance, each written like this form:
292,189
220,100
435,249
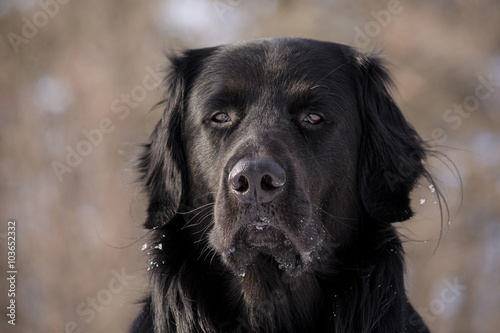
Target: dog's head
287,144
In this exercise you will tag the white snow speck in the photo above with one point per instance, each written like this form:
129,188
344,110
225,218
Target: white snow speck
431,187
159,246
145,246
306,257
265,219
422,201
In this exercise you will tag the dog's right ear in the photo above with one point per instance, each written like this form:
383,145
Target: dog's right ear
162,163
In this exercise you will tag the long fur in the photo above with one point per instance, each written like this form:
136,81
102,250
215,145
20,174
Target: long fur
359,287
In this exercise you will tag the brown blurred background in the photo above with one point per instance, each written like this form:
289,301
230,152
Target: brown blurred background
77,82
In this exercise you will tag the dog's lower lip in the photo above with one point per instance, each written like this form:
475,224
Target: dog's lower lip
263,235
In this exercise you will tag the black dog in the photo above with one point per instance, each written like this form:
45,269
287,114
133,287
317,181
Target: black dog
273,181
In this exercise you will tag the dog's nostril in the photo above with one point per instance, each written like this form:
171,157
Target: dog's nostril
269,184
241,184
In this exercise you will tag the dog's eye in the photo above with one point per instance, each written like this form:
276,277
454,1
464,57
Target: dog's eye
313,118
221,117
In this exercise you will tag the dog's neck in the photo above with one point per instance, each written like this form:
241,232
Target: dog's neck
271,298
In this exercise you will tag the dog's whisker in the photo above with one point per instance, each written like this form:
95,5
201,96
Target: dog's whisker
188,224
205,251
205,228
196,209
330,73
338,218
213,256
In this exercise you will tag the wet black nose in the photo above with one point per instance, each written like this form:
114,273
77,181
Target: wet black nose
256,180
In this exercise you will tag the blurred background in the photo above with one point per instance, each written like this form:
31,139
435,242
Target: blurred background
78,80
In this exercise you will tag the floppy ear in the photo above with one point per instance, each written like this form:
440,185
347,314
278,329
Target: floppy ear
162,164
161,160
391,153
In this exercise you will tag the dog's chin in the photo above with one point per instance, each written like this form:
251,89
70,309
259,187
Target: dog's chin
261,246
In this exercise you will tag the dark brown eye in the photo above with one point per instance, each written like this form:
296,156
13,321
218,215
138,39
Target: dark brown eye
221,117
313,118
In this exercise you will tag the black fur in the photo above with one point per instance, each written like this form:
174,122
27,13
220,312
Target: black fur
329,258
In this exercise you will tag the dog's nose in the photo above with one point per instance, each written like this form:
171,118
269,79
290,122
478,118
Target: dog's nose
256,180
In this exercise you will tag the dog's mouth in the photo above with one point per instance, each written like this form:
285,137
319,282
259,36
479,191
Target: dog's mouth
263,235
262,243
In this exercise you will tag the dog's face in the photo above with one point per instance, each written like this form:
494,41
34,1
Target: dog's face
273,135
289,139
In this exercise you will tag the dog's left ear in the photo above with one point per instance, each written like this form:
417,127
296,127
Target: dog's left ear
391,154
162,164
